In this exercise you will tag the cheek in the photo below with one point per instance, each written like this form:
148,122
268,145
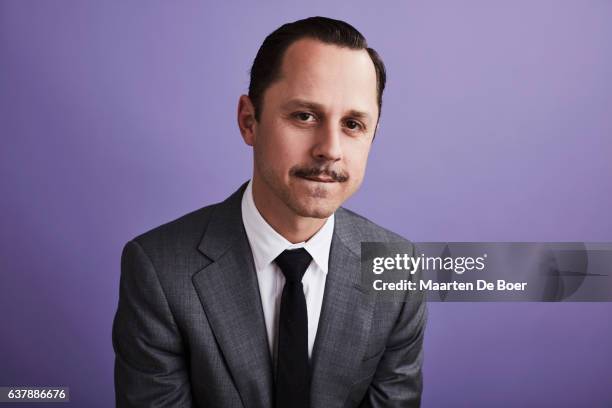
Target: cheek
288,144
356,157
280,147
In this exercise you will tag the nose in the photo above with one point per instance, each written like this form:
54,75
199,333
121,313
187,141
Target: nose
328,144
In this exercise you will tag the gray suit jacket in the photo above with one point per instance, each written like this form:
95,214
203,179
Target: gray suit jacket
189,329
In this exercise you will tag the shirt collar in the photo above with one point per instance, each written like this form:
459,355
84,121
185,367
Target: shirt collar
267,244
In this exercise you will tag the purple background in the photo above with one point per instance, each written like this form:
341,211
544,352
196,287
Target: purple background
118,116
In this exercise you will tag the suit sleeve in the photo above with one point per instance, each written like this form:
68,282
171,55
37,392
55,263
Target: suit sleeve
398,381
150,361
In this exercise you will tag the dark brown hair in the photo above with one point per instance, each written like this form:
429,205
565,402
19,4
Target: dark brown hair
267,64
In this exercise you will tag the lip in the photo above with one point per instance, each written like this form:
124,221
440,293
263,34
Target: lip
320,179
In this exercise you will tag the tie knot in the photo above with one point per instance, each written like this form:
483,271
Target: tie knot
293,263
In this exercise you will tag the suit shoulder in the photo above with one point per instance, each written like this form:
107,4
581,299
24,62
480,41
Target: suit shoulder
182,233
367,230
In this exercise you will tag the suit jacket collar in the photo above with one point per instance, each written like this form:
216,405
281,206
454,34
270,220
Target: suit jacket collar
229,294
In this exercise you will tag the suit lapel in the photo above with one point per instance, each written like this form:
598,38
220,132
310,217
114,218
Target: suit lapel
345,319
229,293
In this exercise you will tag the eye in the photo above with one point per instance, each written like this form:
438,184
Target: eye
353,125
304,116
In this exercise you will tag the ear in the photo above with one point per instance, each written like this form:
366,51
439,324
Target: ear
246,119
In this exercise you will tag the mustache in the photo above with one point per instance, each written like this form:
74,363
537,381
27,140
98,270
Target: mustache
304,172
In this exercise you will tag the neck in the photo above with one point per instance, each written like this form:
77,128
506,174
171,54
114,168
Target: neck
293,227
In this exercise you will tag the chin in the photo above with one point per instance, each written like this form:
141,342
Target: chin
316,210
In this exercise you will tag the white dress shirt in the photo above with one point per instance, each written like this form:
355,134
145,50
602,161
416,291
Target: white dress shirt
266,245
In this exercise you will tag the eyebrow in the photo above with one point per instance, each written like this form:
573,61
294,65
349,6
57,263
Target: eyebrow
305,104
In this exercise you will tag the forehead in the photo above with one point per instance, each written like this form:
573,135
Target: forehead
332,76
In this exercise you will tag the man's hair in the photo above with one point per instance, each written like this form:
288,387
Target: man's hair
267,64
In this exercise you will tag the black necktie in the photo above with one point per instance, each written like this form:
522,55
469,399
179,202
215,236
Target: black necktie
292,369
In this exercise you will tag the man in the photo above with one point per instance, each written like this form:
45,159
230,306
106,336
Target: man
257,301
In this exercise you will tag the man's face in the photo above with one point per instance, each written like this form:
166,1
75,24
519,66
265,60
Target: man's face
316,127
